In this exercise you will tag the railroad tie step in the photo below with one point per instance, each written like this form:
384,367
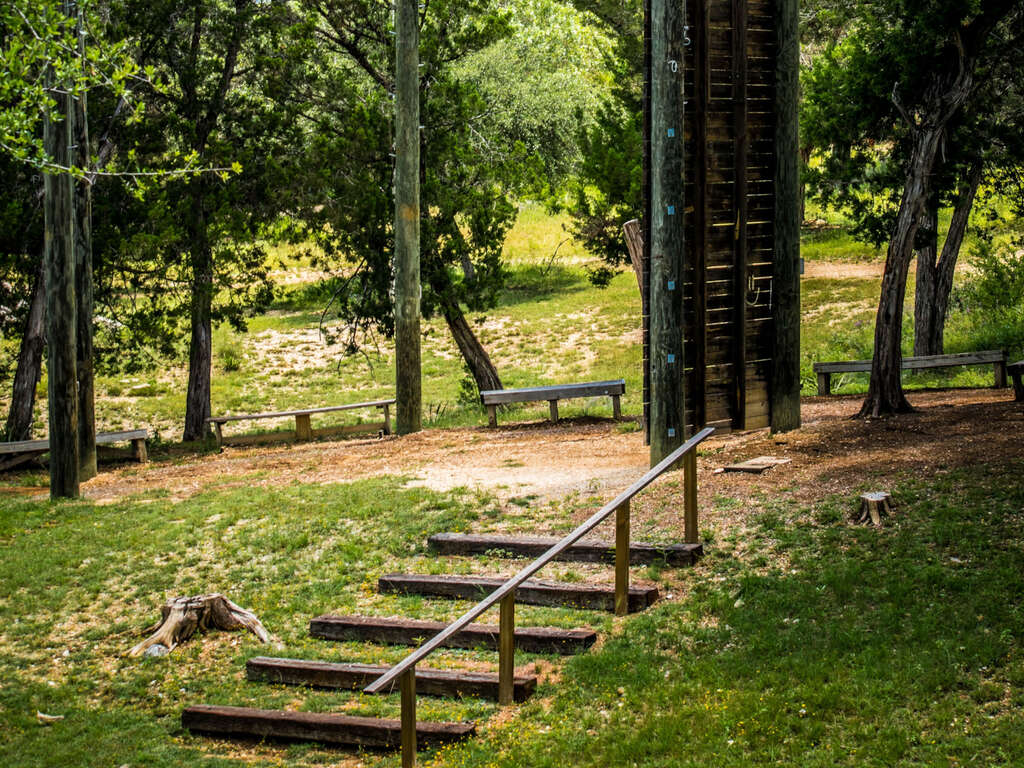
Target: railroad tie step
583,551
429,682
531,592
391,631
339,730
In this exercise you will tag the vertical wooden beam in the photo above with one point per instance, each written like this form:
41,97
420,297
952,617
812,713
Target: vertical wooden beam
740,153
667,232
83,278
785,379
622,559
690,522
507,648
645,226
701,219
408,688
408,384
61,314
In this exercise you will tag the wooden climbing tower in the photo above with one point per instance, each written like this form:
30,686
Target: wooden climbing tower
738,195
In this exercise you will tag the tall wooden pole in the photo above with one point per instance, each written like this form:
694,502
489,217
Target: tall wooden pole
408,385
666,222
785,381
59,260
83,281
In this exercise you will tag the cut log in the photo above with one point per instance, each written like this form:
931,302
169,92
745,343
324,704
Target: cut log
182,616
874,506
584,551
389,631
342,730
429,682
595,597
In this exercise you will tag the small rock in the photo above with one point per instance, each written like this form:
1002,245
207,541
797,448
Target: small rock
157,650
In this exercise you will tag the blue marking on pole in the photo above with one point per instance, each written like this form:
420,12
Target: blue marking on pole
671,358
671,133
671,210
671,285
671,432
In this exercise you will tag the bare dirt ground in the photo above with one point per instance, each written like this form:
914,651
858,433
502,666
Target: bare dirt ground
831,453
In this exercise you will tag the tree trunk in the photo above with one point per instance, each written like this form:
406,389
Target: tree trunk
30,364
930,325
885,392
197,398
62,378
924,294
484,373
83,287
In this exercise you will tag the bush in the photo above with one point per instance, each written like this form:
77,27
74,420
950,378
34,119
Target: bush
989,303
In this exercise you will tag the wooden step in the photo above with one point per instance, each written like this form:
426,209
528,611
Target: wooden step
595,597
429,682
388,631
584,551
341,730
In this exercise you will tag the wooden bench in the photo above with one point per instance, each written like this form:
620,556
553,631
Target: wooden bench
995,358
13,454
1016,371
492,398
303,428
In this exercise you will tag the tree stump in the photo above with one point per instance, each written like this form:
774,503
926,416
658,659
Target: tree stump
182,616
873,506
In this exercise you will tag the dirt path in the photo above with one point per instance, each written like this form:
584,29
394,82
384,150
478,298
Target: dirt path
830,453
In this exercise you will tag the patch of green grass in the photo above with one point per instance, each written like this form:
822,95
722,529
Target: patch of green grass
899,646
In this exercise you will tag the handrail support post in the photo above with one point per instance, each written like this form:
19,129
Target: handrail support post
690,496
507,648
622,559
408,687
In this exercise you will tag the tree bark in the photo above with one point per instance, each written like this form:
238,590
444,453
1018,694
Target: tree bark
480,366
30,364
83,286
924,294
62,378
931,304
200,357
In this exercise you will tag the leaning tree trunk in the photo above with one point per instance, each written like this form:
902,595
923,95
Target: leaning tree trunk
30,364
929,328
200,360
927,263
484,373
885,391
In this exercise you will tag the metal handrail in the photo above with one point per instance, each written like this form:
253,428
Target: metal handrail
410,661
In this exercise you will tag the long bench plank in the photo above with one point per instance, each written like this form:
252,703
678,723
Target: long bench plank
391,631
584,551
994,357
102,438
595,597
342,730
555,392
429,682
302,412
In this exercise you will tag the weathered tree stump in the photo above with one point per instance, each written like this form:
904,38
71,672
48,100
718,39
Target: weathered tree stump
874,506
182,616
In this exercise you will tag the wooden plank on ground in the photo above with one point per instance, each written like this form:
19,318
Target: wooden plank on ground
341,730
391,631
429,682
597,597
756,466
585,551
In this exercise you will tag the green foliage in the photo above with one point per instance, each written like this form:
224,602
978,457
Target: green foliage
989,302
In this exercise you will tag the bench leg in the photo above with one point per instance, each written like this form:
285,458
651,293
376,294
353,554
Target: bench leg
218,428
492,415
139,450
1000,371
303,429
553,409
824,384
387,419
616,407
1018,387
